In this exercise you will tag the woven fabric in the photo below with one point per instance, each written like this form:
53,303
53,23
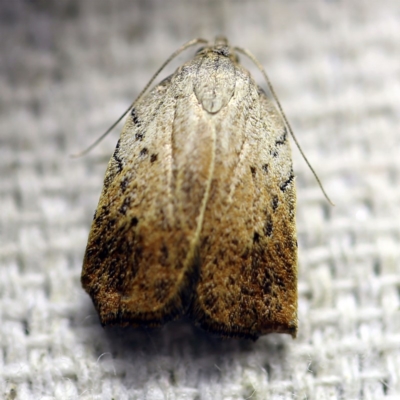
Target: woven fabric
68,70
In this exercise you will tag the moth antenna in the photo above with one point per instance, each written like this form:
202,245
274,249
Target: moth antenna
98,140
141,94
271,89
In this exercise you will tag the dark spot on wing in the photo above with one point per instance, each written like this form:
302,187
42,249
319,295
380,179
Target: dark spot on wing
275,202
256,237
267,282
265,168
134,221
111,223
125,205
268,227
135,117
143,152
153,158
253,171
106,211
139,136
274,153
124,184
288,181
247,291
164,255
117,158
282,139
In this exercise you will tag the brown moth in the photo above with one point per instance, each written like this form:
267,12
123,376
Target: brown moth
197,212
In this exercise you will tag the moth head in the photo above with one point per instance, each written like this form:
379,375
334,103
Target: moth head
220,47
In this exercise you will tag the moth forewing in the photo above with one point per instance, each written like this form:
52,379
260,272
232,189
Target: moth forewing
248,280
140,265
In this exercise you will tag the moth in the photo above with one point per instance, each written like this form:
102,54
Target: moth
197,213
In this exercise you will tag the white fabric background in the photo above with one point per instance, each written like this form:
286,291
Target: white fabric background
68,70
